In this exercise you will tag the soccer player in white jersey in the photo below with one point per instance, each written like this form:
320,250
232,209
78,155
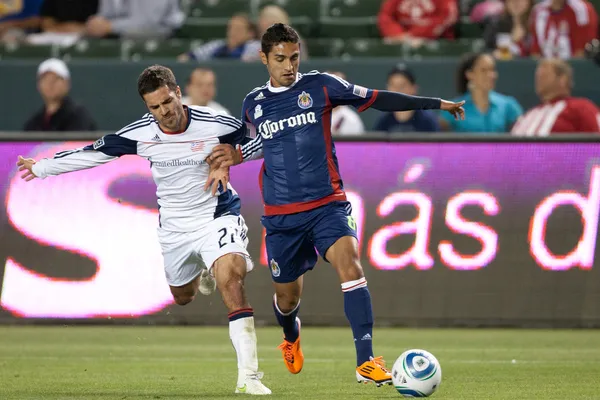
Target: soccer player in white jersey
202,235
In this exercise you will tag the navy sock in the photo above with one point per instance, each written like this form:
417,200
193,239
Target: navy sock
287,322
357,305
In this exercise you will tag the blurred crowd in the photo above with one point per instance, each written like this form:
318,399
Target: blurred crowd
552,30
511,28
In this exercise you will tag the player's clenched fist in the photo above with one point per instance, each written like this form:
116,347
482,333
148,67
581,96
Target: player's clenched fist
224,155
26,164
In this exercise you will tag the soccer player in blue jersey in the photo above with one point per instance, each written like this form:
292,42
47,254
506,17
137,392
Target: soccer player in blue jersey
303,194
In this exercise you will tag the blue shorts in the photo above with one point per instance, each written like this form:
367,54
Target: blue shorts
291,239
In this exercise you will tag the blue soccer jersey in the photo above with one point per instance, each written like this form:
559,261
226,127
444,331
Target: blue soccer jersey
293,133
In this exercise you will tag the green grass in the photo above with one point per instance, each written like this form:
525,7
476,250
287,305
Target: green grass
199,363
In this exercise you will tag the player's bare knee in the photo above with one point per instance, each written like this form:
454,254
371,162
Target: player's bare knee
185,294
349,268
286,302
182,300
229,272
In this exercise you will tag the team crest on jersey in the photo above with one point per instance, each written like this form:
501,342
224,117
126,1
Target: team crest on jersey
98,143
197,146
304,100
275,271
257,112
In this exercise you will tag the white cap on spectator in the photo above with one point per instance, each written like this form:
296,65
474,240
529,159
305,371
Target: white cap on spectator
54,65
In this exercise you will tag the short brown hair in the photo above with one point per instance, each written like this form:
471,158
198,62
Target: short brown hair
561,68
155,77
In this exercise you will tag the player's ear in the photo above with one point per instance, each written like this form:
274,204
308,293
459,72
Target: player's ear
178,92
263,57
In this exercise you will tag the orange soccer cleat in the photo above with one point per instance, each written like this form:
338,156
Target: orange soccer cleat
292,353
374,371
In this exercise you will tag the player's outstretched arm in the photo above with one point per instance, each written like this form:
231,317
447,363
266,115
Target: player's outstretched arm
26,164
392,101
103,150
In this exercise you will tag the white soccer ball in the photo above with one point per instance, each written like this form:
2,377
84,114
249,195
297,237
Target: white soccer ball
416,373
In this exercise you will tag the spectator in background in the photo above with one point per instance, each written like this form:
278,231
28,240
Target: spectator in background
19,17
201,89
344,120
239,43
269,15
559,112
507,35
561,28
135,19
400,79
486,111
66,16
60,112
412,21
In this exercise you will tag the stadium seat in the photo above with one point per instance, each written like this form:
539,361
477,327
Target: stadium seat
325,48
139,50
348,27
215,8
11,51
309,9
466,29
203,28
95,49
350,8
305,27
444,48
371,48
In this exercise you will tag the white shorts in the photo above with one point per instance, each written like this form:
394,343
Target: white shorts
187,253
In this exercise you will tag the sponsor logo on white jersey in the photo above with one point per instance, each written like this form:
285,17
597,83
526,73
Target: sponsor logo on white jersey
177,163
268,128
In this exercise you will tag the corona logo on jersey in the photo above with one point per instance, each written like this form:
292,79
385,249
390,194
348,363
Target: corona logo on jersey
268,128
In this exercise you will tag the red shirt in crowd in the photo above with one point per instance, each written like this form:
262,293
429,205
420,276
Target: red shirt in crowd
563,34
561,115
427,19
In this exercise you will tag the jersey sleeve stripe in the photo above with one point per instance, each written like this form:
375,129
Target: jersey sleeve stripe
140,125
66,153
216,116
370,102
342,81
145,118
233,120
195,118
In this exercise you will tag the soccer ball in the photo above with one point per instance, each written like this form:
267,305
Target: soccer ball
416,373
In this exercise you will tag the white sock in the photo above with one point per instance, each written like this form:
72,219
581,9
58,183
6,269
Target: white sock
243,337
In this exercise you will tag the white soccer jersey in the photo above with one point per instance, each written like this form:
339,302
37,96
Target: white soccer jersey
176,160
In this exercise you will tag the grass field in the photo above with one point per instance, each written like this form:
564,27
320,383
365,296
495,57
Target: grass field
199,363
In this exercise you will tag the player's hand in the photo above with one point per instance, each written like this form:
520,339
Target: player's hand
26,164
224,155
454,108
217,176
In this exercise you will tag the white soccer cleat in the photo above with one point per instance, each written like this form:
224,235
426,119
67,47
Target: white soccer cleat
252,385
208,284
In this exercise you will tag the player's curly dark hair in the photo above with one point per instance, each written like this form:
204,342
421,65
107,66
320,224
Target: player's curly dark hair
278,33
155,77
467,63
